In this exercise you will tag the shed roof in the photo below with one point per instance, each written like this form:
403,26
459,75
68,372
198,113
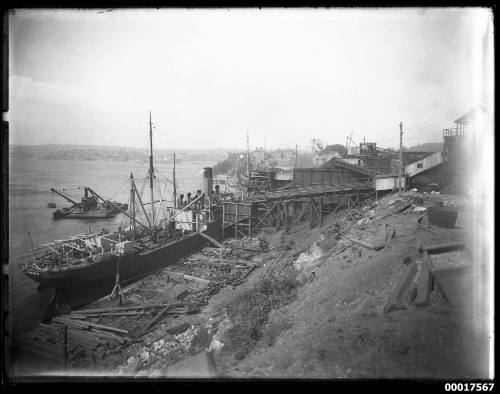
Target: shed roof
472,116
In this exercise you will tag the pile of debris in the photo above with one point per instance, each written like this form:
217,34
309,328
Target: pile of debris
247,243
158,352
73,340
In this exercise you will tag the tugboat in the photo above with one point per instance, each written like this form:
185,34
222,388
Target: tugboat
89,207
93,260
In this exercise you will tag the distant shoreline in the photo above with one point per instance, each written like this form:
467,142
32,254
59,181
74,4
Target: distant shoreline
106,153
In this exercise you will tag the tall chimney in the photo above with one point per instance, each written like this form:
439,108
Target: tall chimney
208,183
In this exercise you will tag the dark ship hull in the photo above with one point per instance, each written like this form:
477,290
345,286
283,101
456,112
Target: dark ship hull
100,276
88,214
83,215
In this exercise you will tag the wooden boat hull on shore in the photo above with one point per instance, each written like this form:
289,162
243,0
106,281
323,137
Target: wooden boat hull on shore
100,276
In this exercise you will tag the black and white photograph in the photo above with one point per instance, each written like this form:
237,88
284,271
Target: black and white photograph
226,194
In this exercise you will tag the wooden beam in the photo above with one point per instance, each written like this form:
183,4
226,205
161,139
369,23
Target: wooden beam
236,223
152,322
85,325
118,308
265,215
424,286
337,207
368,245
304,210
446,247
395,299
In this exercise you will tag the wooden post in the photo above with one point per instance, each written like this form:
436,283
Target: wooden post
236,224
320,210
400,167
313,212
285,215
65,345
250,221
223,219
278,224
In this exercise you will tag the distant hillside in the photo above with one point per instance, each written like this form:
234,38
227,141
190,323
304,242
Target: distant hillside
427,147
115,153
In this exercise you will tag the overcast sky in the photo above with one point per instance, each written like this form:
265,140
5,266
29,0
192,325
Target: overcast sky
208,76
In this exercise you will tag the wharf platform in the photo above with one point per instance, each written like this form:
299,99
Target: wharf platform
283,207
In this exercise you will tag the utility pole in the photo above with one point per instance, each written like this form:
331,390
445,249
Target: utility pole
175,188
265,149
248,157
400,167
296,154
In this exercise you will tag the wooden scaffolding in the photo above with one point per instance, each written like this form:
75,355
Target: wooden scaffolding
281,209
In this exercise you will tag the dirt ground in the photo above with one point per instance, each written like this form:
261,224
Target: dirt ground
337,328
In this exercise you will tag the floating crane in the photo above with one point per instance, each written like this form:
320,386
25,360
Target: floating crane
89,206
66,197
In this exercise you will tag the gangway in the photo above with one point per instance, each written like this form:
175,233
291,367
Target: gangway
424,164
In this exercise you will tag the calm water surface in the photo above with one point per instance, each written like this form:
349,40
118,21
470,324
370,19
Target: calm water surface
30,181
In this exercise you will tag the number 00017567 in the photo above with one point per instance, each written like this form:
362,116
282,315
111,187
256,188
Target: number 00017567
469,386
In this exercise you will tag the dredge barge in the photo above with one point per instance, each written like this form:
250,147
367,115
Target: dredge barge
90,207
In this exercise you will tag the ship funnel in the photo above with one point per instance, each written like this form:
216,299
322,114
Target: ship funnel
208,183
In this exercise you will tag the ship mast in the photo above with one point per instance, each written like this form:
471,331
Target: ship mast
132,207
151,174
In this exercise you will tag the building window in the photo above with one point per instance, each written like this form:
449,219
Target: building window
420,165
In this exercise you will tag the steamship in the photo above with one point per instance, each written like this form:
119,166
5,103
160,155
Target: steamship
147,244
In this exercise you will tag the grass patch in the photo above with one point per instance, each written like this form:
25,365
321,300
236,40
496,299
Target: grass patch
274,327
201,340
250,312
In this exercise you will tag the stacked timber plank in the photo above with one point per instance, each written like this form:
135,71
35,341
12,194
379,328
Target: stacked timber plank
449,265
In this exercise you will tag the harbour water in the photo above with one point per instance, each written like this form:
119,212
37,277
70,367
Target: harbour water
30,181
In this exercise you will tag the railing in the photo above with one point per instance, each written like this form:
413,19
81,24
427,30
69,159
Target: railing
456,131
352,167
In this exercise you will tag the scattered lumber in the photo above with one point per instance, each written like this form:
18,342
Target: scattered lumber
110,335
182,295
424,286
217,250
197,279
217,263
446,247
177,329
172,330
152,322
38,346
182,276
404,207
395,299
368,245
71,322
86,325
342,249
107,314
118,308
51,352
